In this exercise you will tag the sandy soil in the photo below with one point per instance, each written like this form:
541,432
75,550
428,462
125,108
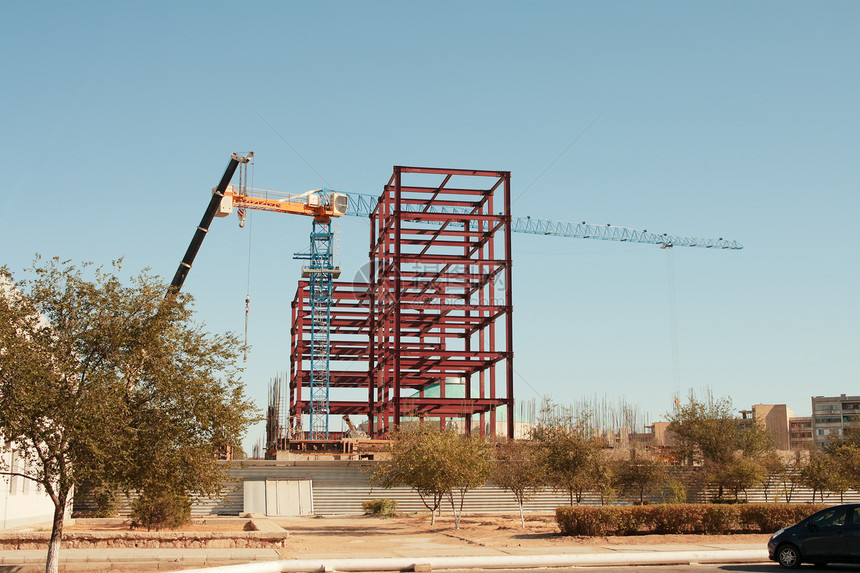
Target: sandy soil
356,535
373,536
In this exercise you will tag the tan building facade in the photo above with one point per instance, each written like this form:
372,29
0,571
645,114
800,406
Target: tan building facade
800,433
776,419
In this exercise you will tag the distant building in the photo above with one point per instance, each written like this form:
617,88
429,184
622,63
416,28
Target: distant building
800,433
775,419
831,415
661,436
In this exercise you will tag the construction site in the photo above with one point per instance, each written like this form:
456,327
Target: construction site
428,337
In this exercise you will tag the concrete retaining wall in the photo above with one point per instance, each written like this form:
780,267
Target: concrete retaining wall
147,539
340,487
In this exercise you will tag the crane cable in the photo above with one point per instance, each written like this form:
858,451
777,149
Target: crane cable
243,181
673,330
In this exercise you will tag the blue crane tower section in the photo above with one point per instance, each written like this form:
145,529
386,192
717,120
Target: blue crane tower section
320,271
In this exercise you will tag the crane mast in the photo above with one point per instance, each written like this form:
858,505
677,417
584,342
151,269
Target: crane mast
320,271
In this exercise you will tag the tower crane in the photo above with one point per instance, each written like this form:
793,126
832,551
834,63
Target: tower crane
323,205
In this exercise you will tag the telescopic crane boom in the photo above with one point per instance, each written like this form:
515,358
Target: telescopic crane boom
203,227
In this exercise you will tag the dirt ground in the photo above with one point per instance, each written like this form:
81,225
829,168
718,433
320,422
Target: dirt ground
358,535
541,532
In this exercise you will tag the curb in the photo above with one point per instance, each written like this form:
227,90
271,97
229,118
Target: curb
427,564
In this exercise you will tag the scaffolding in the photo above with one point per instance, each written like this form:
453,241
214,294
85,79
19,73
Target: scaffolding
441,304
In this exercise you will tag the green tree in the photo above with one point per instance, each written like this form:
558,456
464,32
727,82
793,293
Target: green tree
415,461
566,450
468,464
820,475
844,451
772,467
518,471
435,465
641,474
736,474
712,436
603,479
789,476
112,386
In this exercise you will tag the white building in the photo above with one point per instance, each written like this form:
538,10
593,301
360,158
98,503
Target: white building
23,502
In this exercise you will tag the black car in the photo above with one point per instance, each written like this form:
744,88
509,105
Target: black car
830,536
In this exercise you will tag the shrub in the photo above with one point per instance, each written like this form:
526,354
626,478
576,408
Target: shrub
107,502
380,506
720,519
599,521
159,508
630,519
676,518
580,520
770,517
680,518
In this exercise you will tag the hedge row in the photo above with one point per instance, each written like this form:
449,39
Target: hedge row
680,518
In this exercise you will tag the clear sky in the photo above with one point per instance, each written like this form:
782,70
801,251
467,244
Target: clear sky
712,119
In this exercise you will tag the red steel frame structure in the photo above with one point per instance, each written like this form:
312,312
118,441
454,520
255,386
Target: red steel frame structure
349,352
441,304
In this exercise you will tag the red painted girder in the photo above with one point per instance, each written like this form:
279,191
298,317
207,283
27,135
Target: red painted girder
444,405
444,171
410,216
388,193
407,258
462,203
451,356
447,232
339,408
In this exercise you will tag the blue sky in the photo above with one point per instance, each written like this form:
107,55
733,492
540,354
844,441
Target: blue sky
710,119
